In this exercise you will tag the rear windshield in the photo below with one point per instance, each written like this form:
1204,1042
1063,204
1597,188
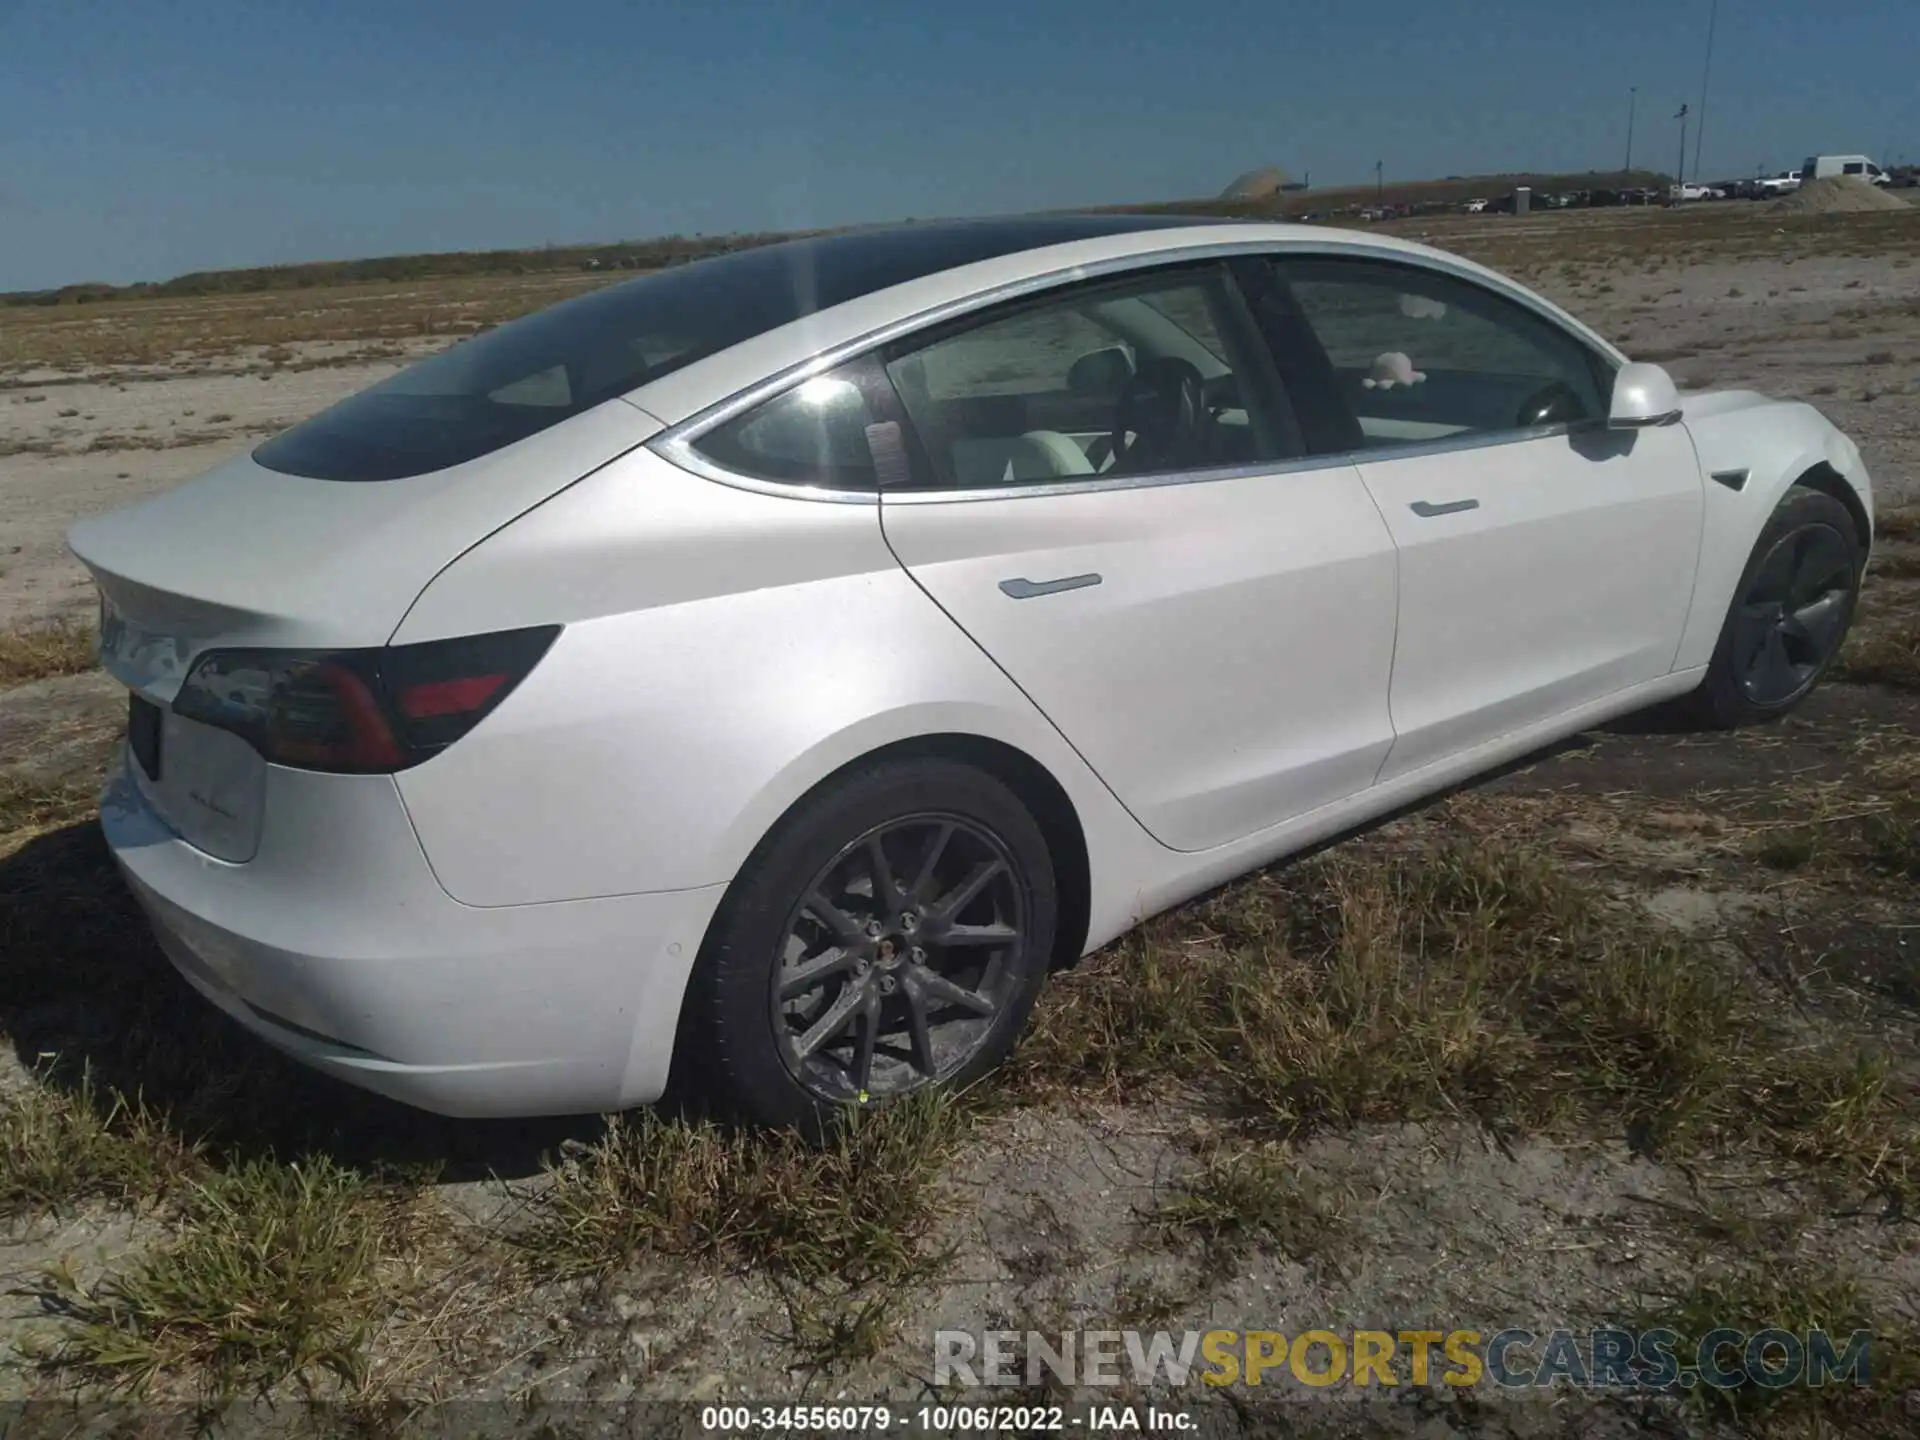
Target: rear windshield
514,381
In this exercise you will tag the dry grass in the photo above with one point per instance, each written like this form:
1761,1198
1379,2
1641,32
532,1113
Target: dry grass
365,321
1884,645
38,652
1479,983
1255,1193
1867,828
371,319
1645,239
61,1147
856,1207
29,803
278,1273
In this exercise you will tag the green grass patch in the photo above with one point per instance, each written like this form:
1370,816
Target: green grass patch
857,1205
1468,983
278,1274
59,1148
1798,1298
1250,1194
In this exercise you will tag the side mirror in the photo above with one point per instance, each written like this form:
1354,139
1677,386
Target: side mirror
1643,395
1100,372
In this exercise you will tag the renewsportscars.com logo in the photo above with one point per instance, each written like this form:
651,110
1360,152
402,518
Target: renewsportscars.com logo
1603,1358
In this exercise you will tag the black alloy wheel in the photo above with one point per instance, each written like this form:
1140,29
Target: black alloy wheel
1790,613
888,935
1793,615
895,961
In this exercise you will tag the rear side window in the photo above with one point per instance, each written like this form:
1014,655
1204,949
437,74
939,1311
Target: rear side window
1855,167
815,434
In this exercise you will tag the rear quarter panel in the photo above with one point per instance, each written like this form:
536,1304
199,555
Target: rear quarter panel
724,651
1775,442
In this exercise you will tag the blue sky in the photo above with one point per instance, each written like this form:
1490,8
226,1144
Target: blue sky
140,139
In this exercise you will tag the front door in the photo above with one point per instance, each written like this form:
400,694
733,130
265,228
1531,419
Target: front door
1545,562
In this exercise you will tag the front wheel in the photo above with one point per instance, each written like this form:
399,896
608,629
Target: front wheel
1789,616
891,934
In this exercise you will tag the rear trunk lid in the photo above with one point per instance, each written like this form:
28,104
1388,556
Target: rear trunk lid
248,557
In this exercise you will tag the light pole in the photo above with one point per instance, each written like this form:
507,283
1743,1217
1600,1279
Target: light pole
1379,180
1633,102
1706,74
1680,176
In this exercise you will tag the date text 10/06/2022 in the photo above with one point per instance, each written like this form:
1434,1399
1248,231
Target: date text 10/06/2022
942,1419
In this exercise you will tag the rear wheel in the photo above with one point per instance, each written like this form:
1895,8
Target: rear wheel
889,935
1789,616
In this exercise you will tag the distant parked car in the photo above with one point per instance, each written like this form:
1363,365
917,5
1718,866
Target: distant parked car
1475,207
1785,183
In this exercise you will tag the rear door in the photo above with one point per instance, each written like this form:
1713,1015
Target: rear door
1110,498
1545,561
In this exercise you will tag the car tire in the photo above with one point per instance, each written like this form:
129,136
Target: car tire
792,954
1807,563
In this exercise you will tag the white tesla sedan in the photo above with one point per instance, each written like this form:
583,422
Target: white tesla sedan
786,659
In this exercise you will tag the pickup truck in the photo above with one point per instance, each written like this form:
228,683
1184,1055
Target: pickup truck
1785,183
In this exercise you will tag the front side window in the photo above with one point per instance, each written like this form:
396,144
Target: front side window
1418,356
1145,377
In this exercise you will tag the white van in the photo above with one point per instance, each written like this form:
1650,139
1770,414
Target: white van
1819,167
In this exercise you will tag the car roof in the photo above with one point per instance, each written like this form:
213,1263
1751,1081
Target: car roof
906,286
860,282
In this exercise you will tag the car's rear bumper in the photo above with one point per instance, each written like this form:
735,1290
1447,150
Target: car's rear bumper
337,944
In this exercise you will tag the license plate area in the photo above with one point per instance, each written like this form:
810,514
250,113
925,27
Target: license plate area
143,734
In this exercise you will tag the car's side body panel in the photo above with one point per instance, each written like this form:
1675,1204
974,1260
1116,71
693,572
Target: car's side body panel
335,944
1536,576
1773,443
611,769
1222,654
1181,877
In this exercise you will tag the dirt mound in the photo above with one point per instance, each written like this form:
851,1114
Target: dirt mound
1262,184
1838,193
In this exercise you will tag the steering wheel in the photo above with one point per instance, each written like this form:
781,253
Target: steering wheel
1164,406
1555,404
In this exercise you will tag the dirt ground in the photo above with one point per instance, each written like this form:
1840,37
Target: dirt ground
1657,1065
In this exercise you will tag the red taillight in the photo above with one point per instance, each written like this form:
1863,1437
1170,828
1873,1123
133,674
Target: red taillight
448,697
359,711
360,737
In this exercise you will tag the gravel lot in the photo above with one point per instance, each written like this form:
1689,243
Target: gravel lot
1593,1162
